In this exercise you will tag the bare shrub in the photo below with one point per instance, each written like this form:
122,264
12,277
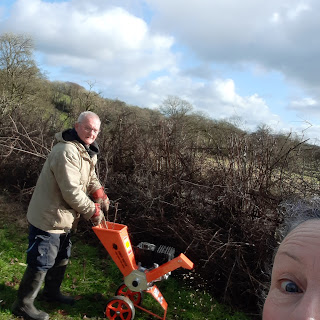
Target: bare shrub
209,190
26,139
220,207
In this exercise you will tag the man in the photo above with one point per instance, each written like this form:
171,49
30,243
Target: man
63,193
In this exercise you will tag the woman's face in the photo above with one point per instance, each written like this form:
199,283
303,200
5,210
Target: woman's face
295,284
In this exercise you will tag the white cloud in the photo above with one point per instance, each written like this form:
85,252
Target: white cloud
306,107
96,41
279,35
141,51
296,11
218,99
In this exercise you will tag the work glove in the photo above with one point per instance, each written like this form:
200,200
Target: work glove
98,215
105,205
100,197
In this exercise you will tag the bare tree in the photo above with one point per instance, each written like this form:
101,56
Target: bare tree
175,107
18,69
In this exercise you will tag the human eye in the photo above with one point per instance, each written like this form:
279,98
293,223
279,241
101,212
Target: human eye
89,129
290,286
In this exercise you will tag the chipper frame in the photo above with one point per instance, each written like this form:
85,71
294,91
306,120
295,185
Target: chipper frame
137,279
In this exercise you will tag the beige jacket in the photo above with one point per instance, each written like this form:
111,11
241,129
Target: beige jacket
61,194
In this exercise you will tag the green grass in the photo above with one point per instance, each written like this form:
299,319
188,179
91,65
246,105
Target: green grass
93,278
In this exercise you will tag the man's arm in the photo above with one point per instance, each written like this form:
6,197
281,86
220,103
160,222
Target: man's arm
66,167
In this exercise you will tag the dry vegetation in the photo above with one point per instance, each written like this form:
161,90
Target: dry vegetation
177,178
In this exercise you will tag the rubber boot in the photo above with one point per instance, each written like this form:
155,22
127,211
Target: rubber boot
28,291
51,291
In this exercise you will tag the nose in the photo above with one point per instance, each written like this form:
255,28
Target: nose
308,308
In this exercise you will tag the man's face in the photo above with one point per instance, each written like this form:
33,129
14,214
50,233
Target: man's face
88,129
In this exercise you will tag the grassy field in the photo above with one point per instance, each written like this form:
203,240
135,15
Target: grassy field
92,278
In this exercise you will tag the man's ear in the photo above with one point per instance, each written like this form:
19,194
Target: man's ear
76,126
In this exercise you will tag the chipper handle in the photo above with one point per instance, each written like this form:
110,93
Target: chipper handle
180,261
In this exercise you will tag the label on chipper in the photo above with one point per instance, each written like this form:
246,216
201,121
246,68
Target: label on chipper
127,244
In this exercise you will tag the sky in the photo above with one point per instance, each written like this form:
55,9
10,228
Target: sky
250,62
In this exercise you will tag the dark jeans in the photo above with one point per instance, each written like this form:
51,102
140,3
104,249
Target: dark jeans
47,249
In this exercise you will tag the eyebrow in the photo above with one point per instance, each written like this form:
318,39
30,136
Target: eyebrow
286,253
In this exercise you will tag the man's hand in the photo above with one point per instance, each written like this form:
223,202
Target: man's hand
105,205
100,197
98,216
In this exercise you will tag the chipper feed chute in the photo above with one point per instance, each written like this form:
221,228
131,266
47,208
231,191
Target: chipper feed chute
115,239
137,278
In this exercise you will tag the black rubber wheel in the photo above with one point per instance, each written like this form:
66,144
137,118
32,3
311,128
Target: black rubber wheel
120,308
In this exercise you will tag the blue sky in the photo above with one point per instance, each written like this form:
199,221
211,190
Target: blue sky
251,61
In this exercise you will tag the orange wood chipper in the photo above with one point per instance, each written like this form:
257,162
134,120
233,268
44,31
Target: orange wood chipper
138,278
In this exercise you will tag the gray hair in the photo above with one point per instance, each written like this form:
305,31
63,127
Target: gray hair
296,213
87,114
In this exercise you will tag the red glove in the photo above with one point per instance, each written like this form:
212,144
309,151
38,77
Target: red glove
98,215
100,197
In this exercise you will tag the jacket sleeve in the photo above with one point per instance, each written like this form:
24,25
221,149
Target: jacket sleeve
66,167
94,183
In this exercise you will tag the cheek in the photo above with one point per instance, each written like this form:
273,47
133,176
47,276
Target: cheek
80,133
271,310
267,310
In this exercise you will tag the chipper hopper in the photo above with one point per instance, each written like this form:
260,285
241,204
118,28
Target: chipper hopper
138,278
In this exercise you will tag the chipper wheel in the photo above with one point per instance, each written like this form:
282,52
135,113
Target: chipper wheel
120,308
135,297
